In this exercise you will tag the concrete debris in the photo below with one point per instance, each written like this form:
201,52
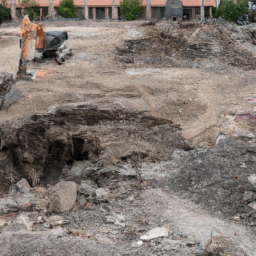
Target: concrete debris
87,187
248,195
253,206
154,233
100,178
110,219
62,196
252,179
243,20
56,220
101,193
23,186
9,93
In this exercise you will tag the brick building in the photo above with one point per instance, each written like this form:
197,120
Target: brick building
102,9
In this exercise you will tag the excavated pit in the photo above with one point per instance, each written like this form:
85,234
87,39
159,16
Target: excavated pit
39,146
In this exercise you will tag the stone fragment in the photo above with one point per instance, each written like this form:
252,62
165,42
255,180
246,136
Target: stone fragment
23,186
127,170
57,232
107,170
82,202
56,220
247,195
101,193
63,55
155,233
110,219
120,217
13,190
87,187
252,205
62,196
252,179
76,232
77,168
25,220
8,91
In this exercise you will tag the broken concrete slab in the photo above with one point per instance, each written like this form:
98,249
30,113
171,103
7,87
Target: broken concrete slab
155,233
8,91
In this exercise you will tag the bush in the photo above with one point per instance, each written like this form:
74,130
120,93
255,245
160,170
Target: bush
131,9
5,13
231,11
33,13
31,9
66,9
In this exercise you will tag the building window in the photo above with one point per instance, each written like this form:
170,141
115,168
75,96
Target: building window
158,12
187,13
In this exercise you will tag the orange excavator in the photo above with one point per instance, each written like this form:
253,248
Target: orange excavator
32,38
36,44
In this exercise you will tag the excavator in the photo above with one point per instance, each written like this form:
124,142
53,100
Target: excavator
37,44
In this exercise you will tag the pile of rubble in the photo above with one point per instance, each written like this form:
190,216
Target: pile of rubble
111,186
189,45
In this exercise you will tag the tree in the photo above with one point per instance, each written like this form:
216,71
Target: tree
113,10
13,9
4,12
232,11
202,9
51,12
86,16
31,8
131,9
67,9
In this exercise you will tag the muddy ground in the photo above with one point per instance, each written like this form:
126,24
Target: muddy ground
155,123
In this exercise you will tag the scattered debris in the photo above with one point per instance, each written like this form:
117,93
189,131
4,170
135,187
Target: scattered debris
154,233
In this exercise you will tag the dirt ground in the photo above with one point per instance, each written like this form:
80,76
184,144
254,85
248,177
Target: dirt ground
197,98
195,190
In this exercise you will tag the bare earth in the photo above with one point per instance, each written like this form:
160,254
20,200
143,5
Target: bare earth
197,99
206,100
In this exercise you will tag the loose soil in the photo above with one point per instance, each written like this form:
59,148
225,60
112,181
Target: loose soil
141,109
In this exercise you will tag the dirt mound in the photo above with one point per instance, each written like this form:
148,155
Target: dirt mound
185,45
219,178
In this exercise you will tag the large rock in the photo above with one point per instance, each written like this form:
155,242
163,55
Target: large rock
252,179
87,187
8,91
63,196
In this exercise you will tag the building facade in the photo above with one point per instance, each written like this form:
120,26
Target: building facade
102,9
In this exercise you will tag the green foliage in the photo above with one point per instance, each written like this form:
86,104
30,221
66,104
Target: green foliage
5,13
232,11
67,9
131,9
31,9
33,13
